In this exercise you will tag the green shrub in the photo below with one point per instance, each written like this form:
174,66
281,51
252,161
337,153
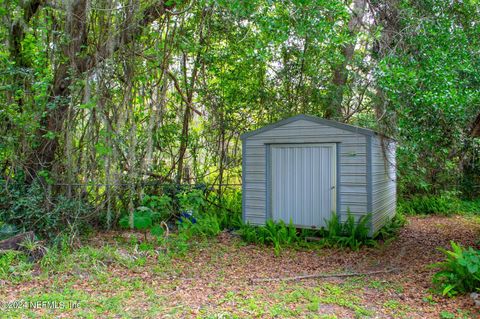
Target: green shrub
6,263
14,265
351,233
470,206
147,218
162,205
7,230
391,229
227,207
459,272
277,234
144,220
206,225
191,200
178,243
208,220
30,207
280,235
445,204
57,252
250,234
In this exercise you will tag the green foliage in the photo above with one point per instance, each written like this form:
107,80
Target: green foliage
276,234
445,204
390,230
6,262
280,235
206,225
212,214
160,205
227,207
470,206
430,83
351,233
33,208
459,272
7,230
60,258
177,244
14,266
154,209
142,219
56,253
193,200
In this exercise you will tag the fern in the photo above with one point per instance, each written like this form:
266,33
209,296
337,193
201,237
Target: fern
352,234
279,235
459,272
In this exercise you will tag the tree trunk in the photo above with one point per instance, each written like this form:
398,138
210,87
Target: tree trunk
187,114
77,61
15,242
340,72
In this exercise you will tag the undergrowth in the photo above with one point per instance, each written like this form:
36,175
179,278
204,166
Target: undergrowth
391,229
278,235
34,208
206,215
350,233
447,203
460,271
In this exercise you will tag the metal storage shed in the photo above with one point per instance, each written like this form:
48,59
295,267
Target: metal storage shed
304,168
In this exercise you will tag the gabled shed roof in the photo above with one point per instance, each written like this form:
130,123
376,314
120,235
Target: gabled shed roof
314,119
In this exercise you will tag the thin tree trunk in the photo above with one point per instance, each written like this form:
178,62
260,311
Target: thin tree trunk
189,99
77,61
340,72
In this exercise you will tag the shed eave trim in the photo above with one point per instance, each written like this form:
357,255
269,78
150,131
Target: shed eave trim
314,119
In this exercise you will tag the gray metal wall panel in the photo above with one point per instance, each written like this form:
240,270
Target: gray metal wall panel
383,181
352,188
244,185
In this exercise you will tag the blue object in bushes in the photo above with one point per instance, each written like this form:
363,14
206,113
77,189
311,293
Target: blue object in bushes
187,214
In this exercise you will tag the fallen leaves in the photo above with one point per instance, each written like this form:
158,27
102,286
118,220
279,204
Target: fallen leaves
214,278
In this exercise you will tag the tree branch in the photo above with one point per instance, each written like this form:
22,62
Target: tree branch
43,155
182,95
353,274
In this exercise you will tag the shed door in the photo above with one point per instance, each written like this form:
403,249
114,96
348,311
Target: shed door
303,178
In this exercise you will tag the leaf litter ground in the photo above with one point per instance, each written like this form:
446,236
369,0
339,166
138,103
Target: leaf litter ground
214,280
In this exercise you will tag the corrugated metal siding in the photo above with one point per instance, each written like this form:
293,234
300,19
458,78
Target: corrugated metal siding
303,183
352,165
384,190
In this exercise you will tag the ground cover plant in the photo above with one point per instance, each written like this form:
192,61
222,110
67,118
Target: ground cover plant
445,204
460,272
350,233
114,273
